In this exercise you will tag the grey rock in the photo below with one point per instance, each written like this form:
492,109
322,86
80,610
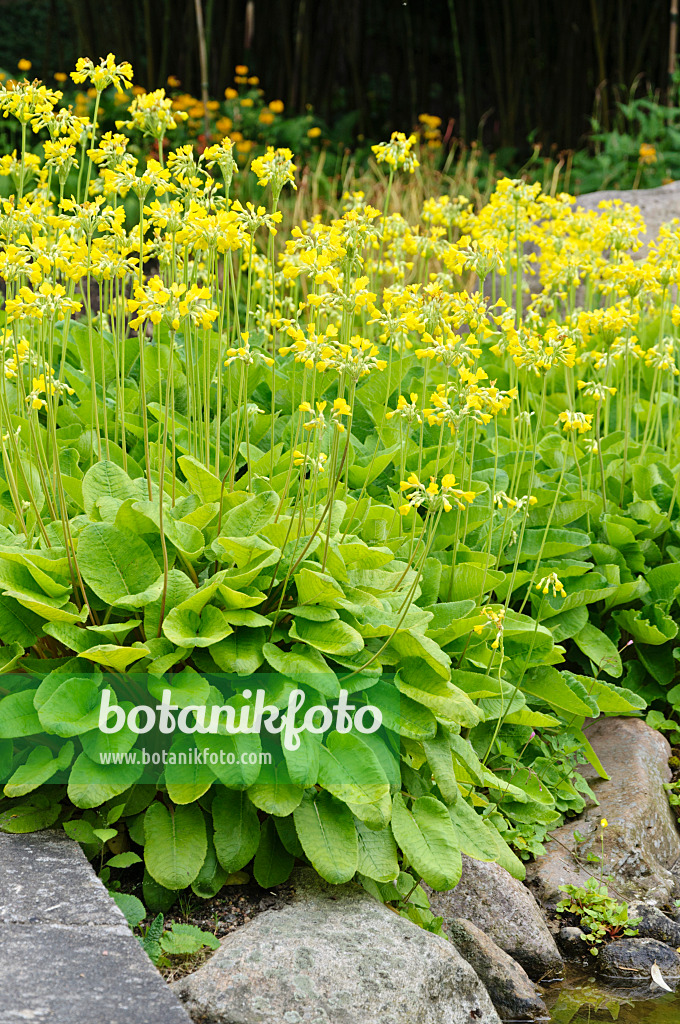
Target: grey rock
79,974
641,841
46,877
654,924
508,984
570,942
505,910
634,958
333,955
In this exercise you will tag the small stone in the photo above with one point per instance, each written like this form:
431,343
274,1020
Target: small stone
654,924
508,984
634,958
570,941
505,910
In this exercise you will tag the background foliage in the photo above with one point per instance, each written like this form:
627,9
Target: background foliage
505,70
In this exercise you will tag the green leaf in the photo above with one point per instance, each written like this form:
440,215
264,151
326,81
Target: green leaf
113,656
186,939
202,482
237,829
92,783
303,665
409,644
479,839
350,770
426,835
18,716
248,519
73,707
185,778
597,646
273,864
132,907
119,566
325,828
241,652
377,853
335,637
21,818
187,628
548,684
106,479
647,626
175,844
38,768
447,703
401,714
438,751
212,875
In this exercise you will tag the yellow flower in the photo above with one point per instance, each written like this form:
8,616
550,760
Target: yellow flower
241,69
604,823
314,133
647,153
25,65
276,106
230,94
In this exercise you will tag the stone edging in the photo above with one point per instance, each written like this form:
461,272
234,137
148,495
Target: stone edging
67,954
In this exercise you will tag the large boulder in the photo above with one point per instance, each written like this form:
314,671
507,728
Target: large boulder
505,910
508,984
333,955
641,842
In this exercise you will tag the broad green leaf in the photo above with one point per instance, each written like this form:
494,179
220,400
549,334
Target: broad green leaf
335,637
20,818
303,664
18,716
447,703
38,768
440,758
106,479
212,875
648,626
597,646
113,656
237,829
119,566
175,844
186,779
480,840
350,770
187,628
73,708
92,783
548,684
426,835
273,864
325,828
131,906
241,652
409,644
377,853
202,482
401,714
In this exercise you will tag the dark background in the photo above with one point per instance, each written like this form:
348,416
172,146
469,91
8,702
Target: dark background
507,71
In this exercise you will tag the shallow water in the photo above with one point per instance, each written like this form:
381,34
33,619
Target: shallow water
580,999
